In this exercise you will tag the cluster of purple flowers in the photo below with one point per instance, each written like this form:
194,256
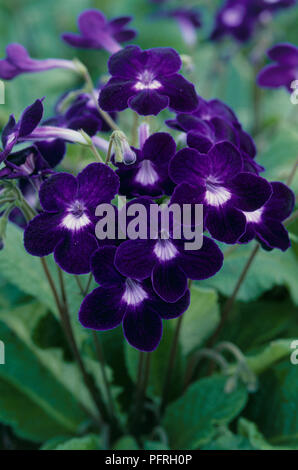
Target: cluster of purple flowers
239,18
141,282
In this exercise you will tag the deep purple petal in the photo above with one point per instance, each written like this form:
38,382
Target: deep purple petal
30,118
171,310
274,76
135,259
203,263
90,23
118,23
162,61
142,327
124,36
52,151
199,142
58,191
249,192
8,130
189,166
43,234
97,184
102,309
225,161
125,63
159,148
115,94
186,193
284,54
8,70
182,93
73,253
75,40
281,202
169,281
148,102
225,223
103,269
273,234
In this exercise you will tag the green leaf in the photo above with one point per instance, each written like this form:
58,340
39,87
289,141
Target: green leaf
41,395
226,440
126,443
190,421
273,352
90,442
200,320
250,431
155,445
262,275
274,405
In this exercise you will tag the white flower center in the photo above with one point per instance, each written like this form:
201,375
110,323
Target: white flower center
76,217
165,250
216,195
254,217
146,175
233,16
146,81
134,293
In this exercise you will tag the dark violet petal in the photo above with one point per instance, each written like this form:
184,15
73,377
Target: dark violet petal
102,309
159,148
225,161
103,269
126,63
171,310
273,234
249,234
124,36
118,23
142,327
223,131
162,61
169,281
198,141
43,234
8,70
249,191
18,56
75,40
247,144
219,109
53,151
286,54
135,258
115,94
97,184
182,93
189,166
190,122
90,23
225,223
57,192
274,76
8,130
203,263
90,124
73,253
281,203
186,193
148,102
30,118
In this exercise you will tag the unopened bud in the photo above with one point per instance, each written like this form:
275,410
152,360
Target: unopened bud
123,151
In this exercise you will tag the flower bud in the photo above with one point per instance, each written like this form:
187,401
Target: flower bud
123,151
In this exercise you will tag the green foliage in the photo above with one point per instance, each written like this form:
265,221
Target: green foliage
191,420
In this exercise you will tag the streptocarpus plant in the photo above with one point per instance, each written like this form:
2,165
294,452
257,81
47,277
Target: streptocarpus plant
144,281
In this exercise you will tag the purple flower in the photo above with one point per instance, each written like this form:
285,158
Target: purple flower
67,224
14,132
189,20
164,258
265,223
284,71
98,33
148,176
18,61
27,163
125,300
214,122
147,81
217,180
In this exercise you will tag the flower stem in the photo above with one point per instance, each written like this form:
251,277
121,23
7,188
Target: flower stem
66,324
